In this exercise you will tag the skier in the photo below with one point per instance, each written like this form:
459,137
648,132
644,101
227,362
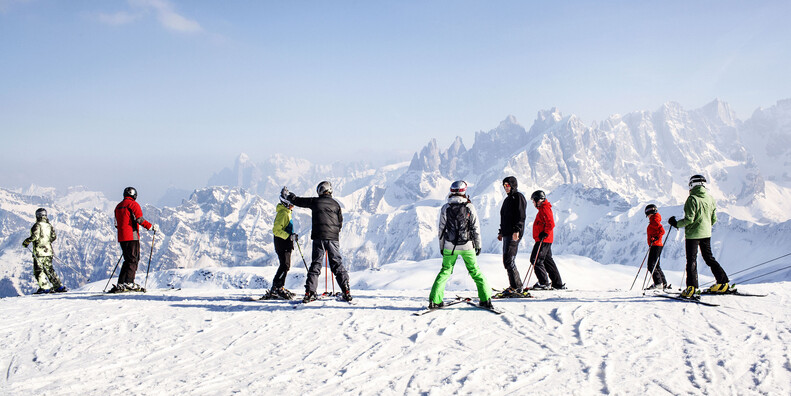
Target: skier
512,224
459,235
327,220
42,234
128,219
284,238
655,232
543,235
700,213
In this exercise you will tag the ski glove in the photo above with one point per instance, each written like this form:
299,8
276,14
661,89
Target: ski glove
477,251
672,221
542,236
155,228
293,237
291,196
25,243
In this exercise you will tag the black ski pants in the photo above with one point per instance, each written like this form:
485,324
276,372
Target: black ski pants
333,252
546,269
510,248
283,248
692,261
131,251
654,252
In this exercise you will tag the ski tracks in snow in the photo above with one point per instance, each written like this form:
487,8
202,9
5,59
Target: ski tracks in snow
209,342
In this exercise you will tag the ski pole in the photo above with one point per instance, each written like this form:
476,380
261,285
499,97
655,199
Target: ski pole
658,259
525,283
153,238
303,257
639,269
113,273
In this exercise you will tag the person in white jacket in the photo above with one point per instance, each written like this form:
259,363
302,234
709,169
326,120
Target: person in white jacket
459,235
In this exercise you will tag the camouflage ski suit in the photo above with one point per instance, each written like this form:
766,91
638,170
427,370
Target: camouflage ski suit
41,235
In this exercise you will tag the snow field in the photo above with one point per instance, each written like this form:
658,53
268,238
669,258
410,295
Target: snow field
592,340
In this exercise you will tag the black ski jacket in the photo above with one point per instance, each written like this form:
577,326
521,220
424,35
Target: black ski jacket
512,213
326,216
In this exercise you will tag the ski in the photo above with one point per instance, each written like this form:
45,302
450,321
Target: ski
732,292
500,295
430,310
492,310
690,300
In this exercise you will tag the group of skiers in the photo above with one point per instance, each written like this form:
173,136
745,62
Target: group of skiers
459,234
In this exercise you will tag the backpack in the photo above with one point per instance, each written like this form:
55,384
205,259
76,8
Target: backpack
457,224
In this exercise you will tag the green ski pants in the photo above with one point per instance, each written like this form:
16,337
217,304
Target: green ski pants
448,261
44,273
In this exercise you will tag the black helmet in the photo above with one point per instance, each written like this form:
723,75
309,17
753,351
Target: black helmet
697,180
41,213
324,188
458,187
130,192
650,209
538,196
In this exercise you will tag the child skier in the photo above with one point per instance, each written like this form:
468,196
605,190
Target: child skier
42,234
543,235
655,232
284,238
700,213
459,235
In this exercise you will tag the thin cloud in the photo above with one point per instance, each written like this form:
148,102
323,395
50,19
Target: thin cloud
163,10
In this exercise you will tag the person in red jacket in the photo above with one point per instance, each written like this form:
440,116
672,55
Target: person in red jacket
655,232
128,219
543,234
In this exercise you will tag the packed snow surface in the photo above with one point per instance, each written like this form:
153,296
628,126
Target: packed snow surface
596,338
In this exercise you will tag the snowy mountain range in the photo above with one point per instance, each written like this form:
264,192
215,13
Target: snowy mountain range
598,178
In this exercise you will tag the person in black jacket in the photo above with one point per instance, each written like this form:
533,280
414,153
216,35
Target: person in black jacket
512,224
327,222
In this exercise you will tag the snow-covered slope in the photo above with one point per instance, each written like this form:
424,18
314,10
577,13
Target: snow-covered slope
204,340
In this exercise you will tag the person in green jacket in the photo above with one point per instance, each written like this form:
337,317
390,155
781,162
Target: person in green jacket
284,237
42,234
459,235
700,213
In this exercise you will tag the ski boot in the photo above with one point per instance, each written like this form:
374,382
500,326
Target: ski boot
689,292
486,304
655,286
43,291
61,289
539,286
346,296
310,296
561,287
432,305
719,288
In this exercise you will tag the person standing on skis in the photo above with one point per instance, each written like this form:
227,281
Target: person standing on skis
655,232
512,224
459,235
128,219
543,235
284,238
700,213
327,221
42,234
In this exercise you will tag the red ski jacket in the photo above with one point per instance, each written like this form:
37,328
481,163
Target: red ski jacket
544,222
655,230
128,218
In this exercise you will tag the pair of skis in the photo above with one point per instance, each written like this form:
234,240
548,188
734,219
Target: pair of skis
459,300
696,299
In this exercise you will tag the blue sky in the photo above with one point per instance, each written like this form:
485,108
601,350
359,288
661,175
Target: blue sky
159,93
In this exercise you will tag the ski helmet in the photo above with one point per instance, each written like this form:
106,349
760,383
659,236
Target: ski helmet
650,209
284,197
130,192
538,196
458,187
697,180
324,188
41,213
